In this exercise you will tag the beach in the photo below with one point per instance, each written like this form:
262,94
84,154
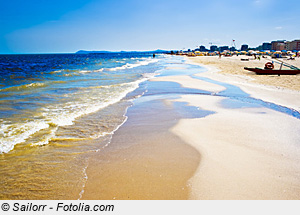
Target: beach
282,89
178,128
239,147
234,67
247,153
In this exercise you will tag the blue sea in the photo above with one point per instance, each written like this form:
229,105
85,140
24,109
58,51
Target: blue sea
40,93
57,108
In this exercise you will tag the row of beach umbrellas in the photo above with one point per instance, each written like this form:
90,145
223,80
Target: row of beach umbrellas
253,52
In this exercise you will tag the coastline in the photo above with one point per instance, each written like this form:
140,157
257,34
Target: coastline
144,160
235,150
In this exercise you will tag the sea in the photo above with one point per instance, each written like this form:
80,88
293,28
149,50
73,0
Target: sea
56,109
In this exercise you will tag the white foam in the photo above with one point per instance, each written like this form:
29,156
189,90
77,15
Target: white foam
84,71
84,179
46,138
18,133
99,70
65,114
129,65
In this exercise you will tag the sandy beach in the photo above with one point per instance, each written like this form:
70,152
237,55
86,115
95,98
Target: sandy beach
235,150
247,153
234,68
283,90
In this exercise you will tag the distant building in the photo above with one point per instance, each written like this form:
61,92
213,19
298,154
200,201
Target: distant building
266,46
293,45
232,49
202,49
258,48
244,47
223,48
278,45
213,48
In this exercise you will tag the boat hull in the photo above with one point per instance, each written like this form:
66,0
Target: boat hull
260,71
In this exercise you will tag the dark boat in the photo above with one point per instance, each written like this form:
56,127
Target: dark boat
269,69
260,71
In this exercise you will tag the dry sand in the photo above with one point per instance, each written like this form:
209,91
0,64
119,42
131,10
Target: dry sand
234,66
283,90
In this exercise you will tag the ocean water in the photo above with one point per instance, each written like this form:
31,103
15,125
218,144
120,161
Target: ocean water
40,93
55,109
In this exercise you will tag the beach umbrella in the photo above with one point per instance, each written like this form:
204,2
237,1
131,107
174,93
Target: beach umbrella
283,51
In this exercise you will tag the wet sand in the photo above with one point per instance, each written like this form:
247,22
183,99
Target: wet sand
234,150
250,153
144,159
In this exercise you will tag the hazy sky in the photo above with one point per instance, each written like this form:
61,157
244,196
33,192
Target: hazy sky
43,26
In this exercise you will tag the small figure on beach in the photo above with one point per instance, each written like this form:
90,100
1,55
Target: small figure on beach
219,54
153,55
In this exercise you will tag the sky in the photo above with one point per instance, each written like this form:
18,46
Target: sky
66,26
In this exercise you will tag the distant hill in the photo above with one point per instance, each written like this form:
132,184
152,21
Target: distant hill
105,52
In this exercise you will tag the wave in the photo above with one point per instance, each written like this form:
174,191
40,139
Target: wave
89,71
99,70
84,71
56,71
83,102
10,135
129,65
23,87
65,114
76,72
69,74
58,82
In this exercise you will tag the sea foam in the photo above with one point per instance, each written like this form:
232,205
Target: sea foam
65,114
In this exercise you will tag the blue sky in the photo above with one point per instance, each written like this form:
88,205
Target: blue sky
63,26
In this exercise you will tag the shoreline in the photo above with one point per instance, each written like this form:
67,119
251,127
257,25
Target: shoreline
182,142
144,160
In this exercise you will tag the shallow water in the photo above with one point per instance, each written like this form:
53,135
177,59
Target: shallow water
55,111
40,93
